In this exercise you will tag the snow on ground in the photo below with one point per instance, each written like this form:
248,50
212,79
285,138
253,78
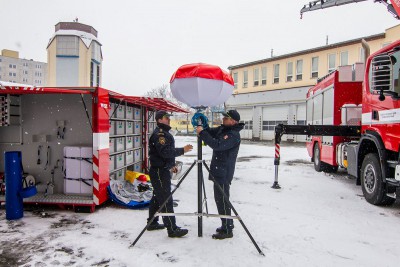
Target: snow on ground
316,219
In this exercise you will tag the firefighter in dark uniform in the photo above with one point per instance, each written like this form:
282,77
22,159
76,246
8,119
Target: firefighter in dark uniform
162,153
225,142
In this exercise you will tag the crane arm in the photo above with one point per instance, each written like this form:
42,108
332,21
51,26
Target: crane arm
393,8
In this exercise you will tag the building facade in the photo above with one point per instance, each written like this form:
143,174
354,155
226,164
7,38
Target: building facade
273,90
20,70
74,56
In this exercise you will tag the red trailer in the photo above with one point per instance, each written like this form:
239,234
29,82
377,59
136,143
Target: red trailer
74,140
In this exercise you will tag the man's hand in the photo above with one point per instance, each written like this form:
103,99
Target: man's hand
174,169
199,129
187,148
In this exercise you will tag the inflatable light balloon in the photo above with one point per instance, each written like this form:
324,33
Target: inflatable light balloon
201,85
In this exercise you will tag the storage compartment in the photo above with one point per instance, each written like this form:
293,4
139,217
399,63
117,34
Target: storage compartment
112,145
129,127
129,142
138,127
137,167
120,127
137,114
137,142
121,111
78,170
119,160
112,113
129,112
112,127
120,144
112,163
137,155
129,157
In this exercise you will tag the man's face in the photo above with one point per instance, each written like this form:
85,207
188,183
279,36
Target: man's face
227,121
164,120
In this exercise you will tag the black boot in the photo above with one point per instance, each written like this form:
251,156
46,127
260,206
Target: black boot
155,226
223,234
177,232
223,228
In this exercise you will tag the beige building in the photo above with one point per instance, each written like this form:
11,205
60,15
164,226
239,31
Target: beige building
21,70
273,90
74,56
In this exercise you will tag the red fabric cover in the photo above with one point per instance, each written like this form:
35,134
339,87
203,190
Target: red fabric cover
202,70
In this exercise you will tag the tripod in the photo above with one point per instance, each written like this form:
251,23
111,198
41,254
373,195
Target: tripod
200,185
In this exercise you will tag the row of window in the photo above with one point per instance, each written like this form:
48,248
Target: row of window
269,125
25,64
25,72
293,68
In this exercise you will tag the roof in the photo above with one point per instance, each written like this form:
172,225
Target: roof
308,51
153,103
148,102
86,37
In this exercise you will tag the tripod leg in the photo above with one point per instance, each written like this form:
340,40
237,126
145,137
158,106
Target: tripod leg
161,206
205,196
233,209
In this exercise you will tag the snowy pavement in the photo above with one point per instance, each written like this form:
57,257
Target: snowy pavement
316,219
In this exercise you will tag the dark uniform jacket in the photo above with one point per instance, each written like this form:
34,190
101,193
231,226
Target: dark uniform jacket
225,142
162,151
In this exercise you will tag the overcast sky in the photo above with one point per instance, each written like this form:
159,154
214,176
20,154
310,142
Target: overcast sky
145,41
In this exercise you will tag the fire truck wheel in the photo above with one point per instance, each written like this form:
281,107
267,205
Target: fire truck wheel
373,188
318,165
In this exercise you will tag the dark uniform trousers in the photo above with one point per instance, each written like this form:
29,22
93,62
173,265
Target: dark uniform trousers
222,204
161,182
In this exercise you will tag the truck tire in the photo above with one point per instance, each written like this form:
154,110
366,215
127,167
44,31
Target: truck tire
373,187
318,165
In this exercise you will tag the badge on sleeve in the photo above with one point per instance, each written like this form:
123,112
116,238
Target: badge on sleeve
226,137
161,140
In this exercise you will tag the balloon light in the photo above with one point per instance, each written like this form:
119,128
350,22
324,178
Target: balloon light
201,85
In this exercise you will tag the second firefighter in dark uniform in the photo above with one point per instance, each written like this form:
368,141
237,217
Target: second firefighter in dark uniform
162,153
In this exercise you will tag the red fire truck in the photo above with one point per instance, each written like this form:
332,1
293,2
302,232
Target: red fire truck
356,125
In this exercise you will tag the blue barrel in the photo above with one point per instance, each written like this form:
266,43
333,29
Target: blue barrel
13,175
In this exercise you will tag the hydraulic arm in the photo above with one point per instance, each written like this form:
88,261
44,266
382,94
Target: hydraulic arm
393,7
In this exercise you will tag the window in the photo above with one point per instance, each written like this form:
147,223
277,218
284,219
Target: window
289,71
314,67
361,56
98,75
299,70
10,66
344,58
25,64
67,46
91,73
96,54
235,79
276,73
25,72
331,62
25,80
263,75
256,77
245,78
248,125
270,125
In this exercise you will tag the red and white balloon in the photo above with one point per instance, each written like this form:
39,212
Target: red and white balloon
201,84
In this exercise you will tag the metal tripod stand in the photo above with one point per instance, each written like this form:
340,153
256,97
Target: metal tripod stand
200,187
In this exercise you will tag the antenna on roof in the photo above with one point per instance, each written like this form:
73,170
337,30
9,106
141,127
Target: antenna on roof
75,20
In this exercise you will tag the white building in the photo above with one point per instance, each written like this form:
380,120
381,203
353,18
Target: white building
20,70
